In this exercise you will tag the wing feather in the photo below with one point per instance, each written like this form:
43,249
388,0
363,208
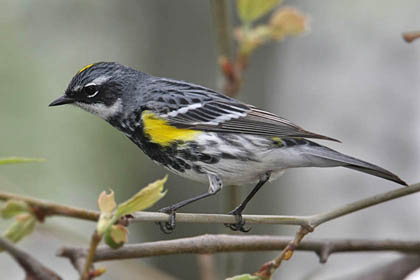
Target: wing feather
230,118
191,106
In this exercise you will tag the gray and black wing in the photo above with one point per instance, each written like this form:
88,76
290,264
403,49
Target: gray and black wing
190,106
227,117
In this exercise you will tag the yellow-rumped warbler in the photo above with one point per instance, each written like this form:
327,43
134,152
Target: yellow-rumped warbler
200,134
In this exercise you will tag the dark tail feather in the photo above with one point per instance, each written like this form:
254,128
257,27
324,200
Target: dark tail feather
354,163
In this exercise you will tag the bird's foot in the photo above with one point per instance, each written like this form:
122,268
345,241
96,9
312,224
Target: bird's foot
240,223
169,226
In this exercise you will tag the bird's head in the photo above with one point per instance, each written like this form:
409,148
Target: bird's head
99,88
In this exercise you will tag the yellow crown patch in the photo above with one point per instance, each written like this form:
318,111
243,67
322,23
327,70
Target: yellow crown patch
86,67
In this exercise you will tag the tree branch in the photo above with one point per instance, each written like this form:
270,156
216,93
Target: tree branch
210,244
231,64
50,209
268,268
88,266
47,208
34,269
311,221
222,27
362,204
77,259
43,208
307,223
219,218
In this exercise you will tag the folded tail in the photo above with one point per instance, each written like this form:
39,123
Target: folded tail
323,155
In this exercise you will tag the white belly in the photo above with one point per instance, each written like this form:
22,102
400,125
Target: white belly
243,159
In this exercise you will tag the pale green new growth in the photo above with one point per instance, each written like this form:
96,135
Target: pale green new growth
116,235
21,227
145,198
13,208
251,10
24,222
13,160
244,277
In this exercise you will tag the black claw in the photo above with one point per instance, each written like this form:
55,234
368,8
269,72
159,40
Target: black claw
168,227
239,227
240,223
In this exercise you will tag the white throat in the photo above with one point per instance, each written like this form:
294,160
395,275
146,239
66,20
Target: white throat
101,110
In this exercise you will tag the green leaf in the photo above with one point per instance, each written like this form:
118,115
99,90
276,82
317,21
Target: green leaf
13,160
13,208
251,10
23,226
116,236
244,277
106,202
145,198
252,38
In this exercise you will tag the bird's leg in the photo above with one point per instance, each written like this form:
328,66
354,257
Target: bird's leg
240,224
167,227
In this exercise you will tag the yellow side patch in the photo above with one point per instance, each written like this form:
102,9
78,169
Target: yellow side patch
86,67
277,141
161,132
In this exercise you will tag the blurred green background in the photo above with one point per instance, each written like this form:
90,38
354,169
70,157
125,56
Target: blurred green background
351,77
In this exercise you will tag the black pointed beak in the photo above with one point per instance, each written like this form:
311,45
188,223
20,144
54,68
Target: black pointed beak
61,101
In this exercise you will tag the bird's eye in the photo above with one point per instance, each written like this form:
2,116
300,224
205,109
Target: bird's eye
91,90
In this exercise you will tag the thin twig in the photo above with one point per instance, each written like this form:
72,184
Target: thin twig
207,267
218,243
231,63
47,208
307,222
311,220
78,261
34,269
43,208
268,269
362,204
222,27
219,218
94,242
